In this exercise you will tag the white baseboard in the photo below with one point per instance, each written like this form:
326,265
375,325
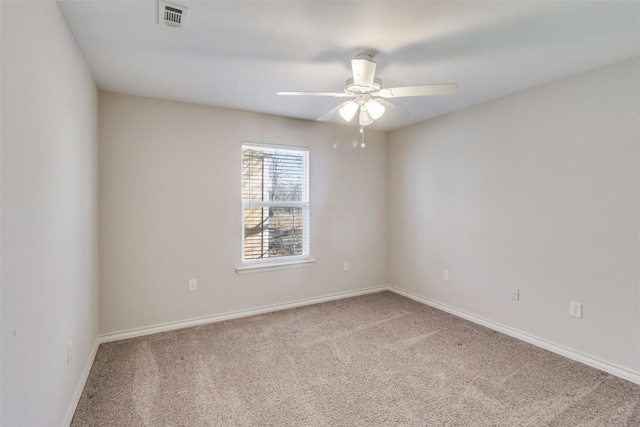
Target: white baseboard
138,332
594,362
81,383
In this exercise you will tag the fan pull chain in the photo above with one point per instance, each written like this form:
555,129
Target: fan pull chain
362,133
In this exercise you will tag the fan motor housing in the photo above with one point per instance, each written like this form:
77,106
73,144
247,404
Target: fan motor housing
351,87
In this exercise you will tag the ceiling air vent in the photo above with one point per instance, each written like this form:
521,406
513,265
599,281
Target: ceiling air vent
172,15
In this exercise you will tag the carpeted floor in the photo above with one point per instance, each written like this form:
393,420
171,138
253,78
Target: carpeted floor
379,359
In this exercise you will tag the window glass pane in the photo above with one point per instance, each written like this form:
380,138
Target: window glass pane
273,175
273,232
285,232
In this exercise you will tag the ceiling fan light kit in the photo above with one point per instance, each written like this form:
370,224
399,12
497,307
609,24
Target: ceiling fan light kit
370,110
348,110
375,109
364,87
365,118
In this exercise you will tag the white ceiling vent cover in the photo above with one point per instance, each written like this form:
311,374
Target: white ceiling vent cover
172,15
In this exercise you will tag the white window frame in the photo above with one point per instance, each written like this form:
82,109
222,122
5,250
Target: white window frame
267,264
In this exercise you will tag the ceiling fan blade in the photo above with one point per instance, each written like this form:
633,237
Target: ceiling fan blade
364,70
334,94
392,110
424,90
333,113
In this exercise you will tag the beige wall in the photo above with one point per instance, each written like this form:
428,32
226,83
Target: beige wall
49,214
170,210
537,191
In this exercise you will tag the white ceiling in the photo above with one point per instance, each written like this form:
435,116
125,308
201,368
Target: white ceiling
237,54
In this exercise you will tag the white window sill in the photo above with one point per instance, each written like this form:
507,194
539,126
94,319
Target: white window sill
259,268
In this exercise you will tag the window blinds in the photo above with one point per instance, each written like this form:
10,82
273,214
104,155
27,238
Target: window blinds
275,202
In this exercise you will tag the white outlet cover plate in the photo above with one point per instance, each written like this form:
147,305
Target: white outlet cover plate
193,285
575,309
515,294
445,275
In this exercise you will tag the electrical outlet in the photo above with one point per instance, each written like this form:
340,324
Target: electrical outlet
193,285
346,266
69,352
445,275
575,309
515,294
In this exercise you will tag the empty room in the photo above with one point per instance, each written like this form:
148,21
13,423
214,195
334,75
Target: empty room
319,213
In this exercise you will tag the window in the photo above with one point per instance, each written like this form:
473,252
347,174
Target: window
275,203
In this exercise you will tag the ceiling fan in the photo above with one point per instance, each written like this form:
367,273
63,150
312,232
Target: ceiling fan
368,95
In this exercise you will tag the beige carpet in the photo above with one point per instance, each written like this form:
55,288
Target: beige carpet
379,359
